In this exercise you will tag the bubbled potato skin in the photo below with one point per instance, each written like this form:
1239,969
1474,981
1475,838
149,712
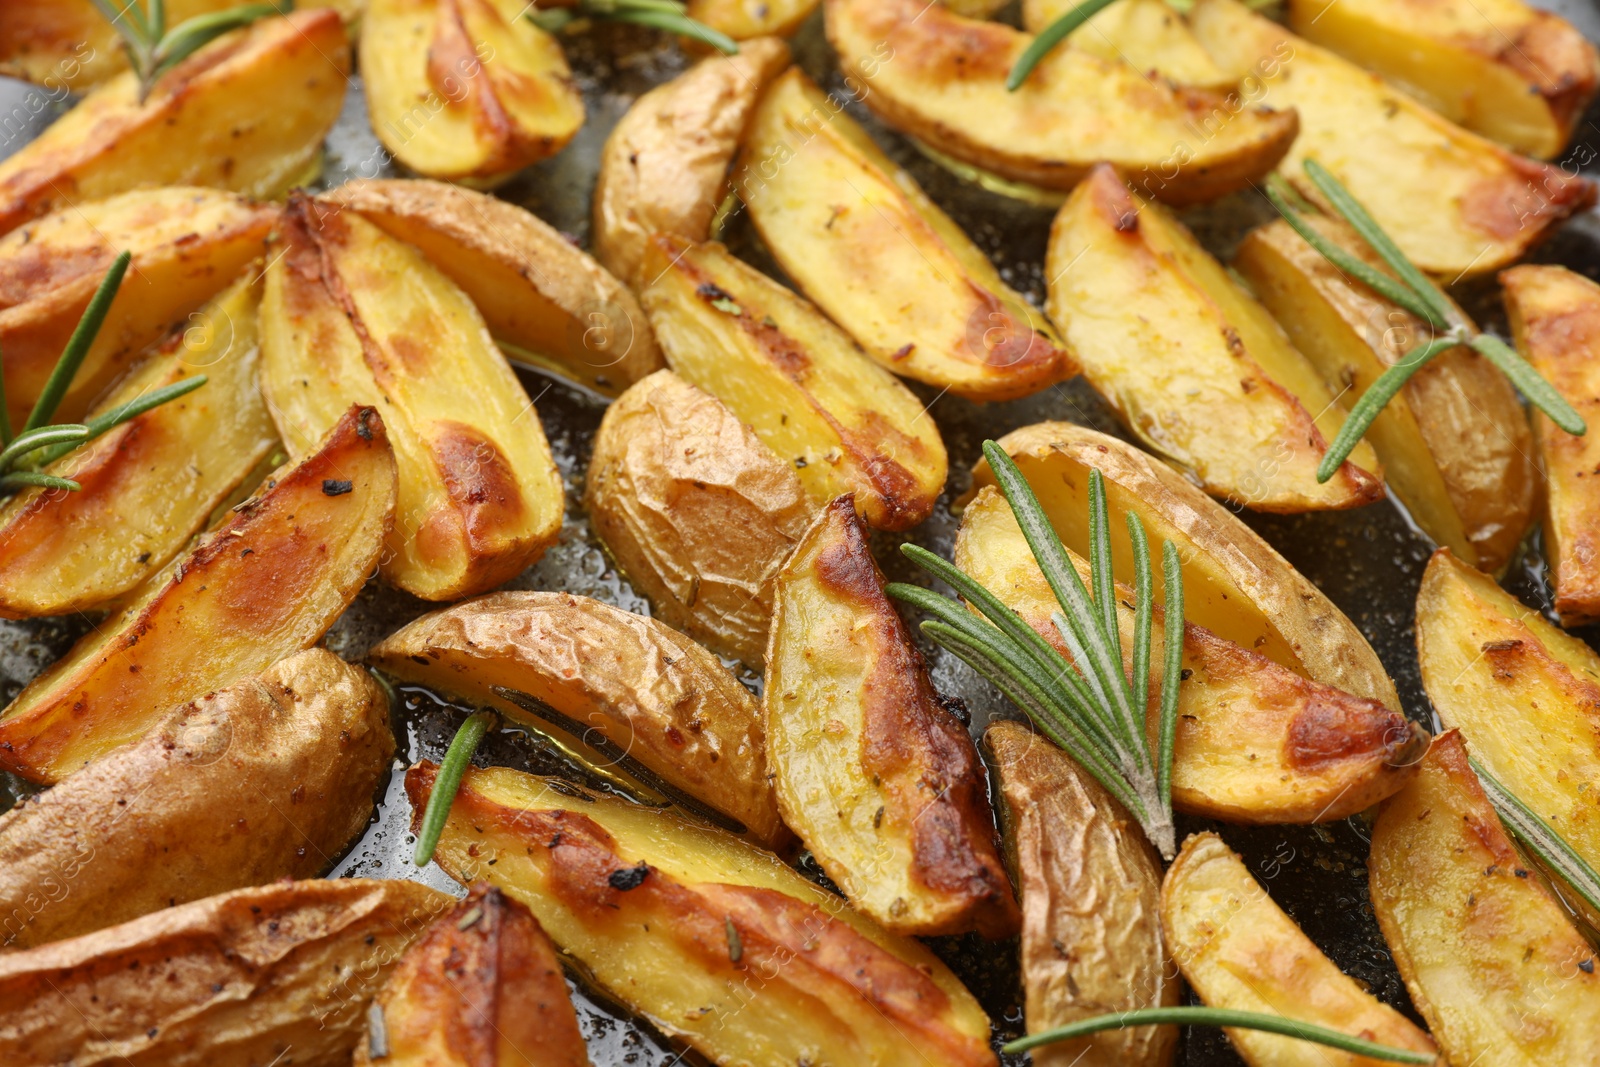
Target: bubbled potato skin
1090,885
872,771
236,980
631,696
297,751
672,471
718,944
263,585
1491,960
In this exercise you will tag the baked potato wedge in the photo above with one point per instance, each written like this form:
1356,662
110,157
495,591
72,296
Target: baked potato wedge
536,291
1148,35
796,380
718,944
480,988
1454,445
263,585
1256,742
630,696
867,246
939,77
1090,886
1491,960
1192,363
246,113
746,20
1515,74
873,772
671,472
352,315
1488,206
664,168
1239,950
143,829
236,980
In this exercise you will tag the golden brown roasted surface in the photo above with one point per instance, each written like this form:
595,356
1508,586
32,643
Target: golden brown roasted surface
717,943
352,315
940,77
872,770
1239,950
482,987
534,288
671,473
744,20
270,778
237,980
1148,35
630,695
664,168
265,584
1491,961
797,380
1090,886
247,113
1454,444
1192,364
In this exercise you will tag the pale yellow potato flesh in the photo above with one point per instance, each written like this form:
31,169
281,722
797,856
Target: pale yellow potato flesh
746,20
1148,35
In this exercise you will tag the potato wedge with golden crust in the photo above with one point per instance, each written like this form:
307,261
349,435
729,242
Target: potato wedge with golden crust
872,771
352,315
797,380
1454,444
1148,35
482,987
1235,584
941,78
246,113
718,944
1192,364
1090,886
270,778
1490,958
1239,950
863,241
265,584
671,472
664,168
236,980
1555,319
534,289
1515,74
1489,206
746,20
629,694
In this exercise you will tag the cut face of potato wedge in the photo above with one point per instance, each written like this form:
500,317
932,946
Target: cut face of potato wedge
864,242
719,944
236,980
246,113
535,290
630,695
309,735
1194,366
465,89
1487,205
1090,885
664,168
1454,444
1493,964
671,473
265,584
1239,950
941,78
1235,584
1148,35
744,20
796,380
352,315
1256,742
875,774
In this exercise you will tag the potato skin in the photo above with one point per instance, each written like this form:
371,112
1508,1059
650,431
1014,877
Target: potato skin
235,980
1090,886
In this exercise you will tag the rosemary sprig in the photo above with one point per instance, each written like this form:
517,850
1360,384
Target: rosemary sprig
153,49
1540,838
456,760
668,15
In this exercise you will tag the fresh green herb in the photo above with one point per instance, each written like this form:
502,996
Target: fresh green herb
153,49
1540,838
668,15
456,759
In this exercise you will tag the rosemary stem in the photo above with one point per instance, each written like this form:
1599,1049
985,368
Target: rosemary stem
122,413
1052,35
78,346
1171,669
456,759
1540,393
1540,838
1371,404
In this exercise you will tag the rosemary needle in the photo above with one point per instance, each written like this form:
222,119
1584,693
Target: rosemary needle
456,759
